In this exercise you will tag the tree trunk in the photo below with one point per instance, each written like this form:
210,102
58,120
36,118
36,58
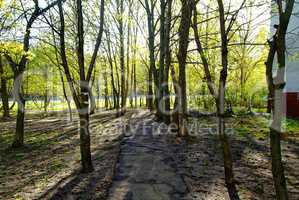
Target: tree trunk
151,47
135,84
275,129
160,91
184,29
84,133
134,66
85,143
46,97
174,114
84,96
19,134
269,75
277,166
277,85
149,97
66,97
227,157
92,102
4,93
167,63
46,102
122,56
106,90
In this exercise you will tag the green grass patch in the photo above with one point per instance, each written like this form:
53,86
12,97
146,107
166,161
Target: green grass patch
255,126
291,126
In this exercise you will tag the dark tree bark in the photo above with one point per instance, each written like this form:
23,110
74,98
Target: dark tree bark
19,68
167,63
115,86
68,101
184,29
161,72
4,93
269,75
134,78
227,157
84,91
120,12
106,89
220,96
19,134
82,97
149,8
174,114
276,86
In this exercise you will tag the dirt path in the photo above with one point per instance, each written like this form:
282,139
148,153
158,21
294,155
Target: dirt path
146,168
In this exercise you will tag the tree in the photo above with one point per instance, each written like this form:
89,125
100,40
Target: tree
276,86
219,96
120,17
19,68
81,96
3,90
184,29
166,91
161,71
149,7
227,157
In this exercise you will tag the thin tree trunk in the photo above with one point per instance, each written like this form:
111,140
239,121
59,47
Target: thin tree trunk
19,134
151,46
276,86
134,66
46,97
227,157
269,74
4,93
167,63
91,96
106,90
19,68
83,109
120,9
81,97
174,114
184,29
66,97
160,91
149,97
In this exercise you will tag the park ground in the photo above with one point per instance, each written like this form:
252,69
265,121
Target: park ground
136,157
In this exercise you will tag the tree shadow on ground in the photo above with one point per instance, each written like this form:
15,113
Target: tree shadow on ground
87,185
201,163
48,156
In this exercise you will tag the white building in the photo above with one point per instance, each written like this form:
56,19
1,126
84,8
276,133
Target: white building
292,63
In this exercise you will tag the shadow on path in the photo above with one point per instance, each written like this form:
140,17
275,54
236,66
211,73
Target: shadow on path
146,169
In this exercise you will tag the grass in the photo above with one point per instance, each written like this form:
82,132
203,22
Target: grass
255,126
291,126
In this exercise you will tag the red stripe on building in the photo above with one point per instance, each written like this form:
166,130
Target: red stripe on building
292,104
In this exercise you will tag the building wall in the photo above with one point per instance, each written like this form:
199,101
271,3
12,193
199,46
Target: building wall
292,64
292,107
